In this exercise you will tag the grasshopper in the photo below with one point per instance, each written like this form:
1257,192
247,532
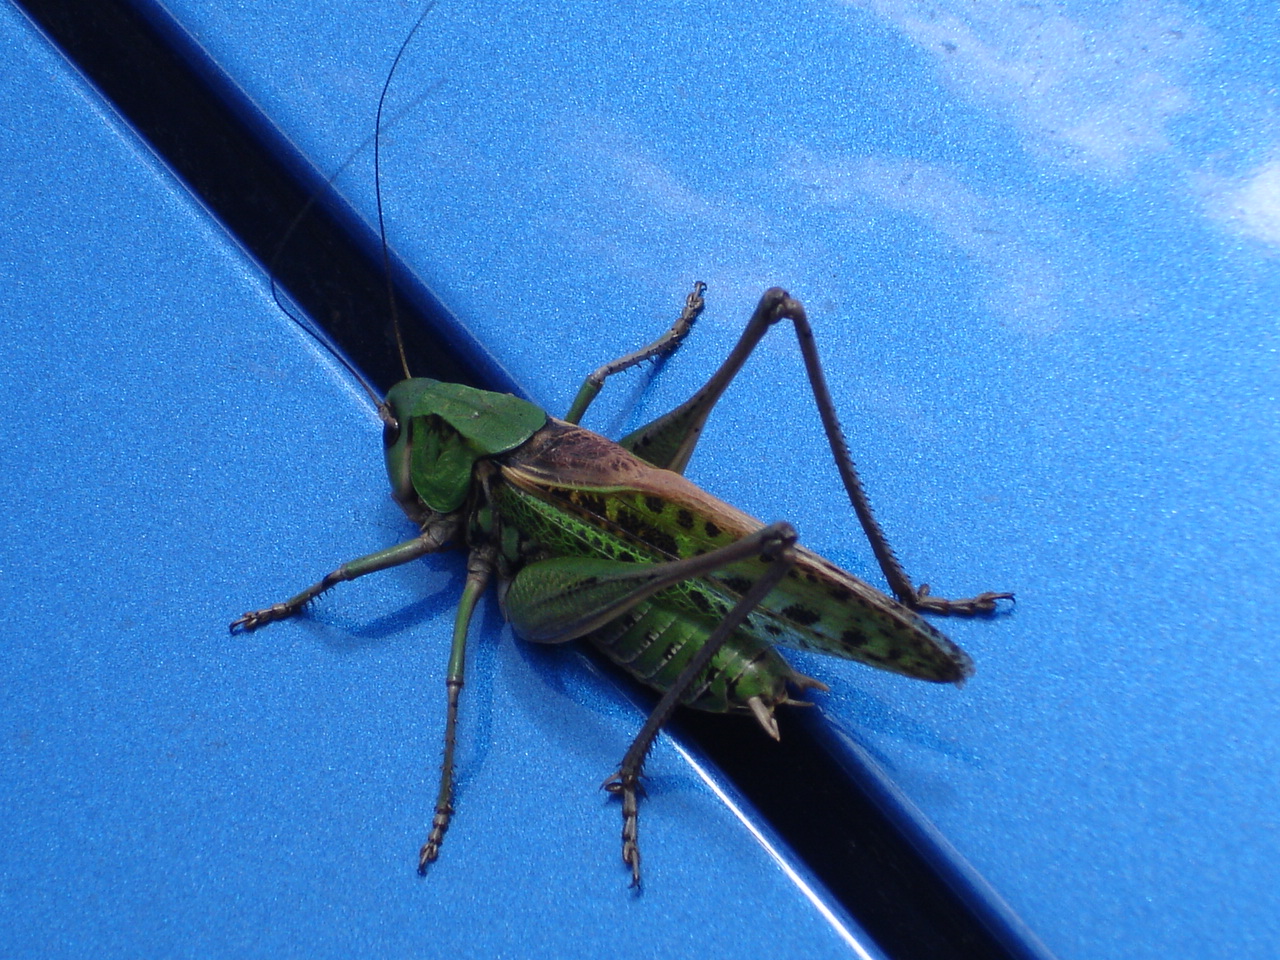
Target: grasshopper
608,542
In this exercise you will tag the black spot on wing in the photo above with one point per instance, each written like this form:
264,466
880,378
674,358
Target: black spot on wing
664,542
798,613
635,525
853,637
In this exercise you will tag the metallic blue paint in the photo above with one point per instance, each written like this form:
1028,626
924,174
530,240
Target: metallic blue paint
1037,244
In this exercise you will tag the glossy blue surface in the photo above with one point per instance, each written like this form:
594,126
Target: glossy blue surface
1038,247
177,452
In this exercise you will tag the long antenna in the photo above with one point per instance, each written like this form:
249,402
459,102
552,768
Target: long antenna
305,322
322,338
316,333
377,187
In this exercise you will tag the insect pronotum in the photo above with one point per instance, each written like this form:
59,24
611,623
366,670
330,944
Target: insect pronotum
608,542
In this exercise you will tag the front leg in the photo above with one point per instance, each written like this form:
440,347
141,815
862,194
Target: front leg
435,536
660,348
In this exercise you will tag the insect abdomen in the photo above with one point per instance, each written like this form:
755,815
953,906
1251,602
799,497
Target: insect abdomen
655,641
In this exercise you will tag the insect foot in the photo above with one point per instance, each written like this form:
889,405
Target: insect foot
257,618
431,849
983,603
629,786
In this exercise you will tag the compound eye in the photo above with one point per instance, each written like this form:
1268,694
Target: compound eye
390,433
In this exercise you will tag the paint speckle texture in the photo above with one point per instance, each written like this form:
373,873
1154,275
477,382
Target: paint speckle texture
1038,247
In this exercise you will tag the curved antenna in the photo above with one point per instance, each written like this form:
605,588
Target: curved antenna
300,317
306,323
283,243
322,338
377,187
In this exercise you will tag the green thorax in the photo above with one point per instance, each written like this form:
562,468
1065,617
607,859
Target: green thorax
444,429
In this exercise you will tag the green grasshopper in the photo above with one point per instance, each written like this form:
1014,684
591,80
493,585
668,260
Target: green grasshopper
608,542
